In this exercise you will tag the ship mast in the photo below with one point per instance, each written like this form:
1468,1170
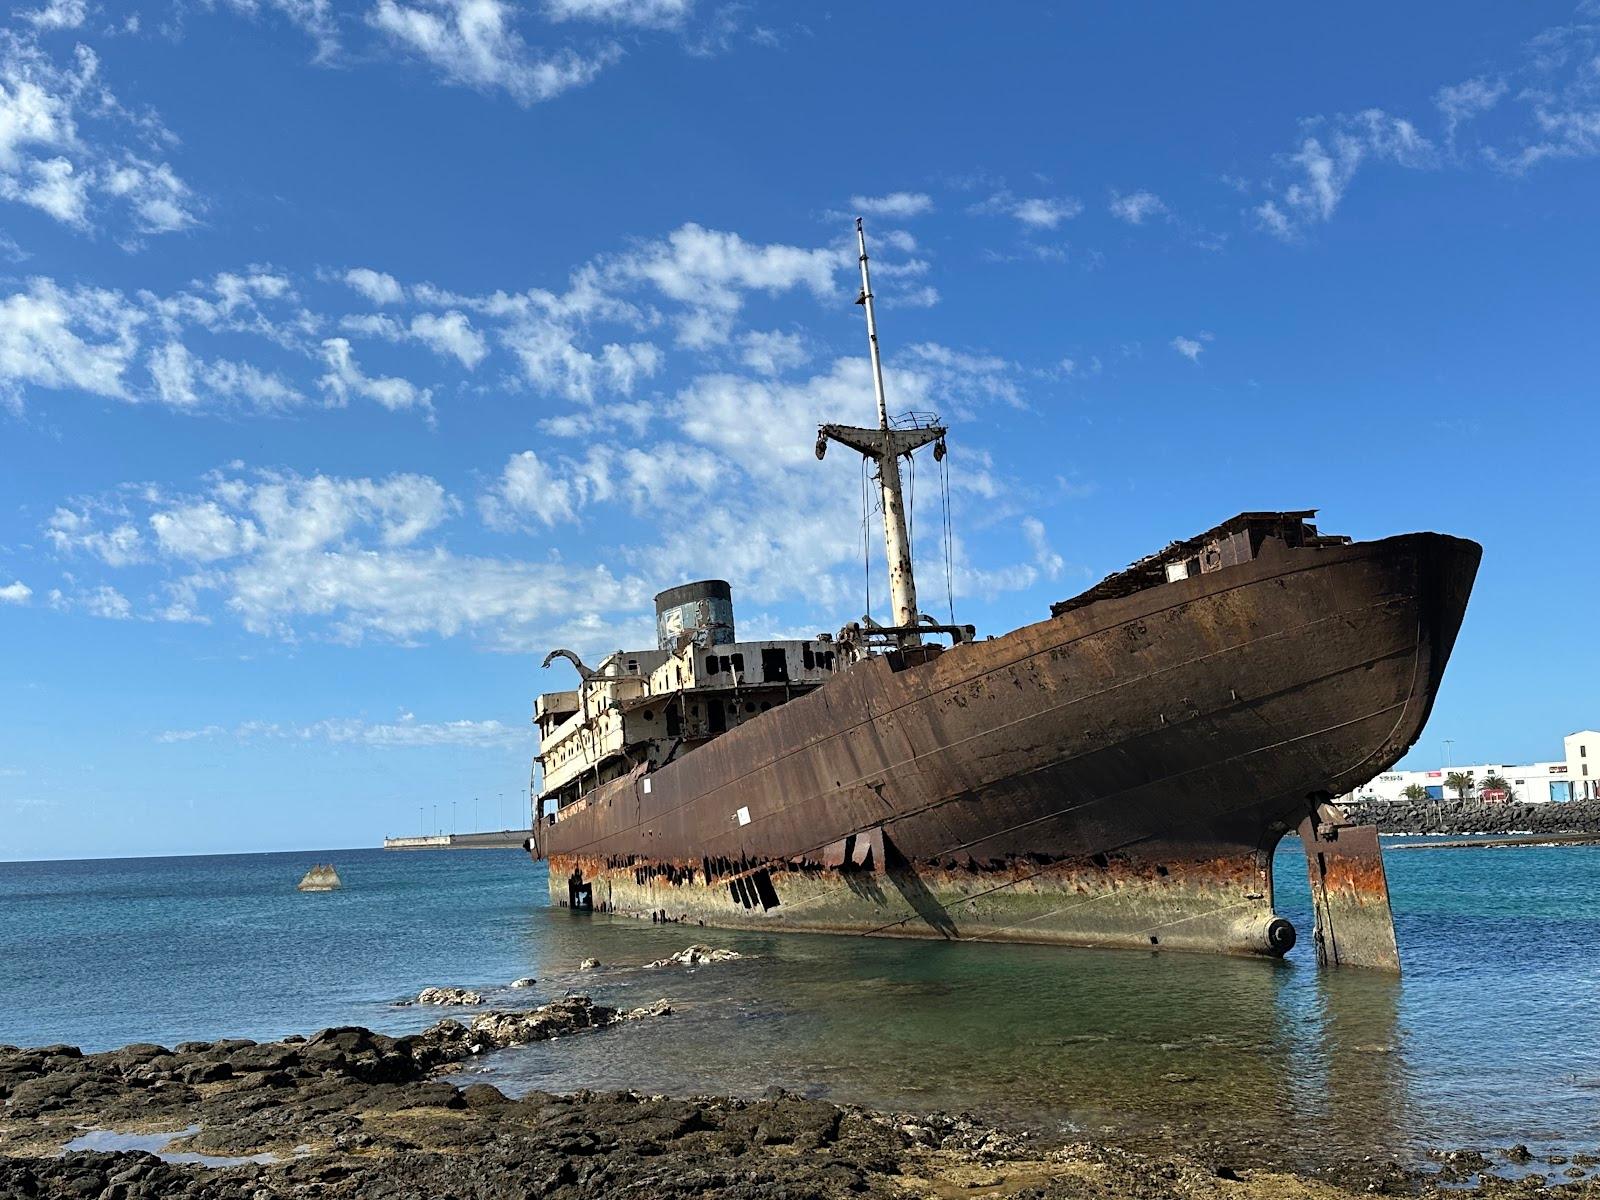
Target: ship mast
884,447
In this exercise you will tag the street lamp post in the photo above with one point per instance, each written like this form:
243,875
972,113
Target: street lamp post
452,817
420,826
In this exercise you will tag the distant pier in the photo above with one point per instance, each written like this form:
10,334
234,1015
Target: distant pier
500,839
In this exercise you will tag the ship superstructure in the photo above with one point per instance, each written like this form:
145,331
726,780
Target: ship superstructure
1119,774
649,707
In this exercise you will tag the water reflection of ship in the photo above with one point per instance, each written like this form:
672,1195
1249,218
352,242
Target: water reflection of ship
1361,1089
1264,1065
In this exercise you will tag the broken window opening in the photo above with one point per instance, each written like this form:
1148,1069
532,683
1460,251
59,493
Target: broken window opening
765,892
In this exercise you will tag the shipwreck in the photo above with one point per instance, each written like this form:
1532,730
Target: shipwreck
1118,774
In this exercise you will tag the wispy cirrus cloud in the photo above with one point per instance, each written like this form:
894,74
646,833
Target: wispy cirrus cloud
1192,347
1136,208
1032,212
898,205
476,43
649,14
403,733
1330,153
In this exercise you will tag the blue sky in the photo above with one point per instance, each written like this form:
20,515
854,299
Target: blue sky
353,355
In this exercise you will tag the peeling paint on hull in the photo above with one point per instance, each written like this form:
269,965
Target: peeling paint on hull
1118,775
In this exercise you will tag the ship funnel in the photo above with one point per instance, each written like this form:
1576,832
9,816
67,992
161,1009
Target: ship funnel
699,612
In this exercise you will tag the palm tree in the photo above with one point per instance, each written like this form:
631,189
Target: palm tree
1415,792
1495,782
1461,781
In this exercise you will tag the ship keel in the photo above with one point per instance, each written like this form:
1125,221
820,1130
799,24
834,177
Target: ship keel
1219,903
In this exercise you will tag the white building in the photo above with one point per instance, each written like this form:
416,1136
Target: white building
1574,777
1583,764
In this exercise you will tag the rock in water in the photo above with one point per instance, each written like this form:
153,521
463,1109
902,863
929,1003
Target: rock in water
449,995
693,956
589,964
321,878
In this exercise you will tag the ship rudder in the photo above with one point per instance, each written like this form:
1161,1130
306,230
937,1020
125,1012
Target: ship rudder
1349,893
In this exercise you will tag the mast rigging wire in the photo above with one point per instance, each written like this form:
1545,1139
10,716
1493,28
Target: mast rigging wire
949,538
866,541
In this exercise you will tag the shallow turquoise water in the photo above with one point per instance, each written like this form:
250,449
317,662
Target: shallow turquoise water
1492,1036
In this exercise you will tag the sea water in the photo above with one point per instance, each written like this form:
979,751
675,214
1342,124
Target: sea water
1491,1036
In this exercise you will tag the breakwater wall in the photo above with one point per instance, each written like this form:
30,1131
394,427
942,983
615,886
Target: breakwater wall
500,839
1472,816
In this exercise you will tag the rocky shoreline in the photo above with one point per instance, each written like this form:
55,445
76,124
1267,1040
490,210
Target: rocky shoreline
1471,816
352,1113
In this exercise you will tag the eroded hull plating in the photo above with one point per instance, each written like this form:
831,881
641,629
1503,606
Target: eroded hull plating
1117,776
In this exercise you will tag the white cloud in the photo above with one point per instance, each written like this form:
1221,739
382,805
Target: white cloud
65,139
1191,348
203,532
529,486
452,334
345,558
377,286
80,339
15,592
405,733
1033,212
1047,560
895,204
1327,164
646,13
186,382
449,335
553,362
107,602
473,42
1046,212
706,270
1136,207
345,378
1468,99
1561,85
74,530
302,515
57,14
314,17
772,352
161,202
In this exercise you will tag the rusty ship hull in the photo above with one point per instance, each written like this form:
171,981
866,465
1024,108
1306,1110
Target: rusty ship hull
1118,775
